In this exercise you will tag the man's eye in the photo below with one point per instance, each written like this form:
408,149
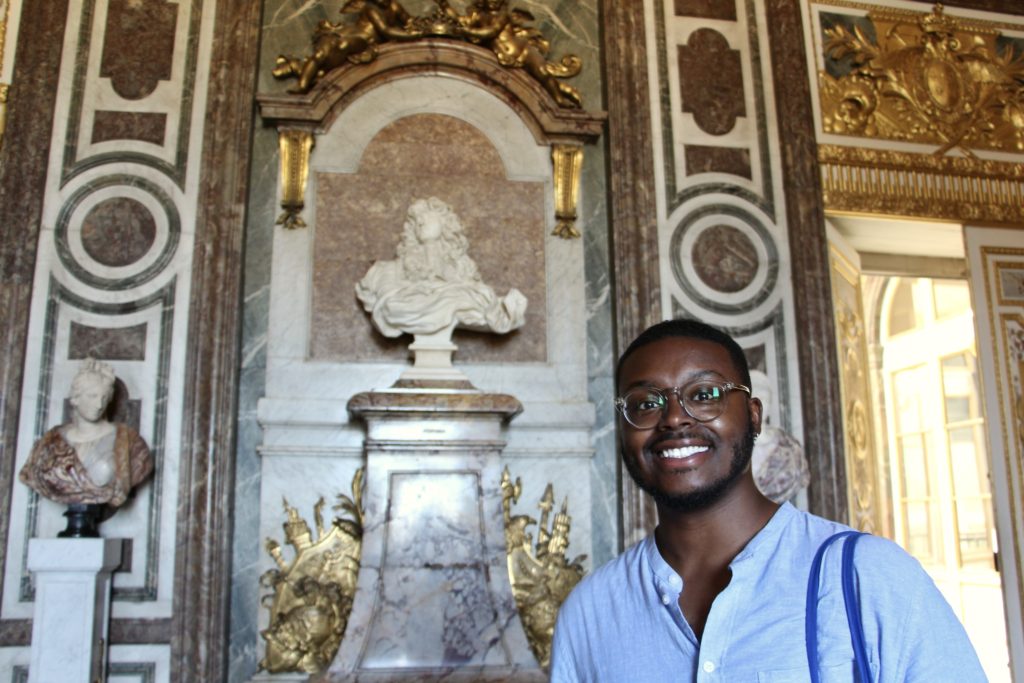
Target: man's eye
704,393
648,402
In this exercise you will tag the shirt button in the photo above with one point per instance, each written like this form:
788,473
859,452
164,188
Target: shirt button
665,598
709,666
674,580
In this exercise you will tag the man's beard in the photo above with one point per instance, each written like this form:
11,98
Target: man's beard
704,497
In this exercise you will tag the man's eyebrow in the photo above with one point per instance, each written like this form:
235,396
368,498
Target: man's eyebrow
699,375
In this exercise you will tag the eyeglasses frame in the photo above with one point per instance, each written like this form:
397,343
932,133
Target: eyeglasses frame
727,387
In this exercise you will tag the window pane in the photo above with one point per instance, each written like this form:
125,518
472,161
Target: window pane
906,385
922,539
952,297
901,311
970,469
915,467
974,528
959,384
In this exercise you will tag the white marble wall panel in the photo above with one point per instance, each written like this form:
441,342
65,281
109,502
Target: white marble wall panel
148,287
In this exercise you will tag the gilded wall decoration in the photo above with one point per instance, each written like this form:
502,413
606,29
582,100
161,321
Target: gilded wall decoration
541,576
491,23
864,482
312,597
925,78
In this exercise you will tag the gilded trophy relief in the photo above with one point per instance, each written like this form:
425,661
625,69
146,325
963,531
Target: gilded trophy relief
541,575
947,84
312,597
924,78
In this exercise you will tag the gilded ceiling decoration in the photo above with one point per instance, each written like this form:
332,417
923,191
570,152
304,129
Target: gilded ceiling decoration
924,78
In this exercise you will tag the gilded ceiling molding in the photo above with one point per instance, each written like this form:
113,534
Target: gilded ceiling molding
864,180
565,128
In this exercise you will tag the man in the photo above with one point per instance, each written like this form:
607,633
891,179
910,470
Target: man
718,591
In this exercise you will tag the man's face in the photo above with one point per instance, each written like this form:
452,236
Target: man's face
685,464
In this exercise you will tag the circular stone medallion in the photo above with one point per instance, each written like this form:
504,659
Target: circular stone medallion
118,232
725,259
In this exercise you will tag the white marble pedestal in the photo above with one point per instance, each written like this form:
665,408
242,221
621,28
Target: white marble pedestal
72,607
433,600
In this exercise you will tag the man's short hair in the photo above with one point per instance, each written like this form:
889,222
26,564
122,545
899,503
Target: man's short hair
688,329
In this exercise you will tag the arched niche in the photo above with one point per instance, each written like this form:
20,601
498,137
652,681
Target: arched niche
300,118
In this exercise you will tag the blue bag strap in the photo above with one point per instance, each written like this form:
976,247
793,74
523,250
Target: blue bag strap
849,600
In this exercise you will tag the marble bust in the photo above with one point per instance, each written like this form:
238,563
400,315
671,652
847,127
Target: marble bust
780,468
434,286
90,460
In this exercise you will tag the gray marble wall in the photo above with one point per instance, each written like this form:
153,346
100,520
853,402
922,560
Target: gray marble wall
573,27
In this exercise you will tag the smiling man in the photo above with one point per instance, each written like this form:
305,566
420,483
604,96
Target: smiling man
718,591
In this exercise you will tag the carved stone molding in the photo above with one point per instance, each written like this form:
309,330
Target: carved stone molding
550,124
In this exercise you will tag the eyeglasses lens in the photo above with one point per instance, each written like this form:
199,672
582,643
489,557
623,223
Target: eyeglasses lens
644,406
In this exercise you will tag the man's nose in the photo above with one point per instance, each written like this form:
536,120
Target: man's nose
675,414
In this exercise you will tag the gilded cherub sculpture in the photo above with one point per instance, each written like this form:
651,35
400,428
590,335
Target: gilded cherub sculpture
489,23
504,30
355,42
90,461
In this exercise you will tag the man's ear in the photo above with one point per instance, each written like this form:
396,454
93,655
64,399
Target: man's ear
756,410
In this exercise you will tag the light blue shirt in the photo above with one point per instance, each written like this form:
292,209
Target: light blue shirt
623,623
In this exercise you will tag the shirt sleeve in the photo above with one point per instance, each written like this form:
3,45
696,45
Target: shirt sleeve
563,662
918,637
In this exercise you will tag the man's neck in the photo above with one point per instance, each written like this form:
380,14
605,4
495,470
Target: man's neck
708,539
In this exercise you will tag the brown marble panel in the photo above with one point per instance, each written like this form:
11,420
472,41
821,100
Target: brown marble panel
121,343
23,162
359,220
129,125
138,45
816,345
118,231
706,9
724,258
632,212
711,81
705,159
202,555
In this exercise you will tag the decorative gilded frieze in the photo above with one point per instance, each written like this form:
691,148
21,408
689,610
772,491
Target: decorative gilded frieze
924,78
865,180
312,597
541,576
504,30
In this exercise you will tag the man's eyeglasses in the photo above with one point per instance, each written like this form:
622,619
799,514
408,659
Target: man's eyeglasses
643,407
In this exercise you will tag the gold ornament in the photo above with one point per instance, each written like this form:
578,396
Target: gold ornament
312,597
541,577
928,78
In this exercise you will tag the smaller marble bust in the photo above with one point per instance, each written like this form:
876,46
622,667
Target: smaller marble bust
91,460
780,468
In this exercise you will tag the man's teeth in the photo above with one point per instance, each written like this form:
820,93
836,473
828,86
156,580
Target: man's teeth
684,452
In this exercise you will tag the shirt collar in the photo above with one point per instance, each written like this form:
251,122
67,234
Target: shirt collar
666,578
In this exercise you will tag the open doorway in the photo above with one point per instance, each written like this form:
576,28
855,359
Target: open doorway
932,472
